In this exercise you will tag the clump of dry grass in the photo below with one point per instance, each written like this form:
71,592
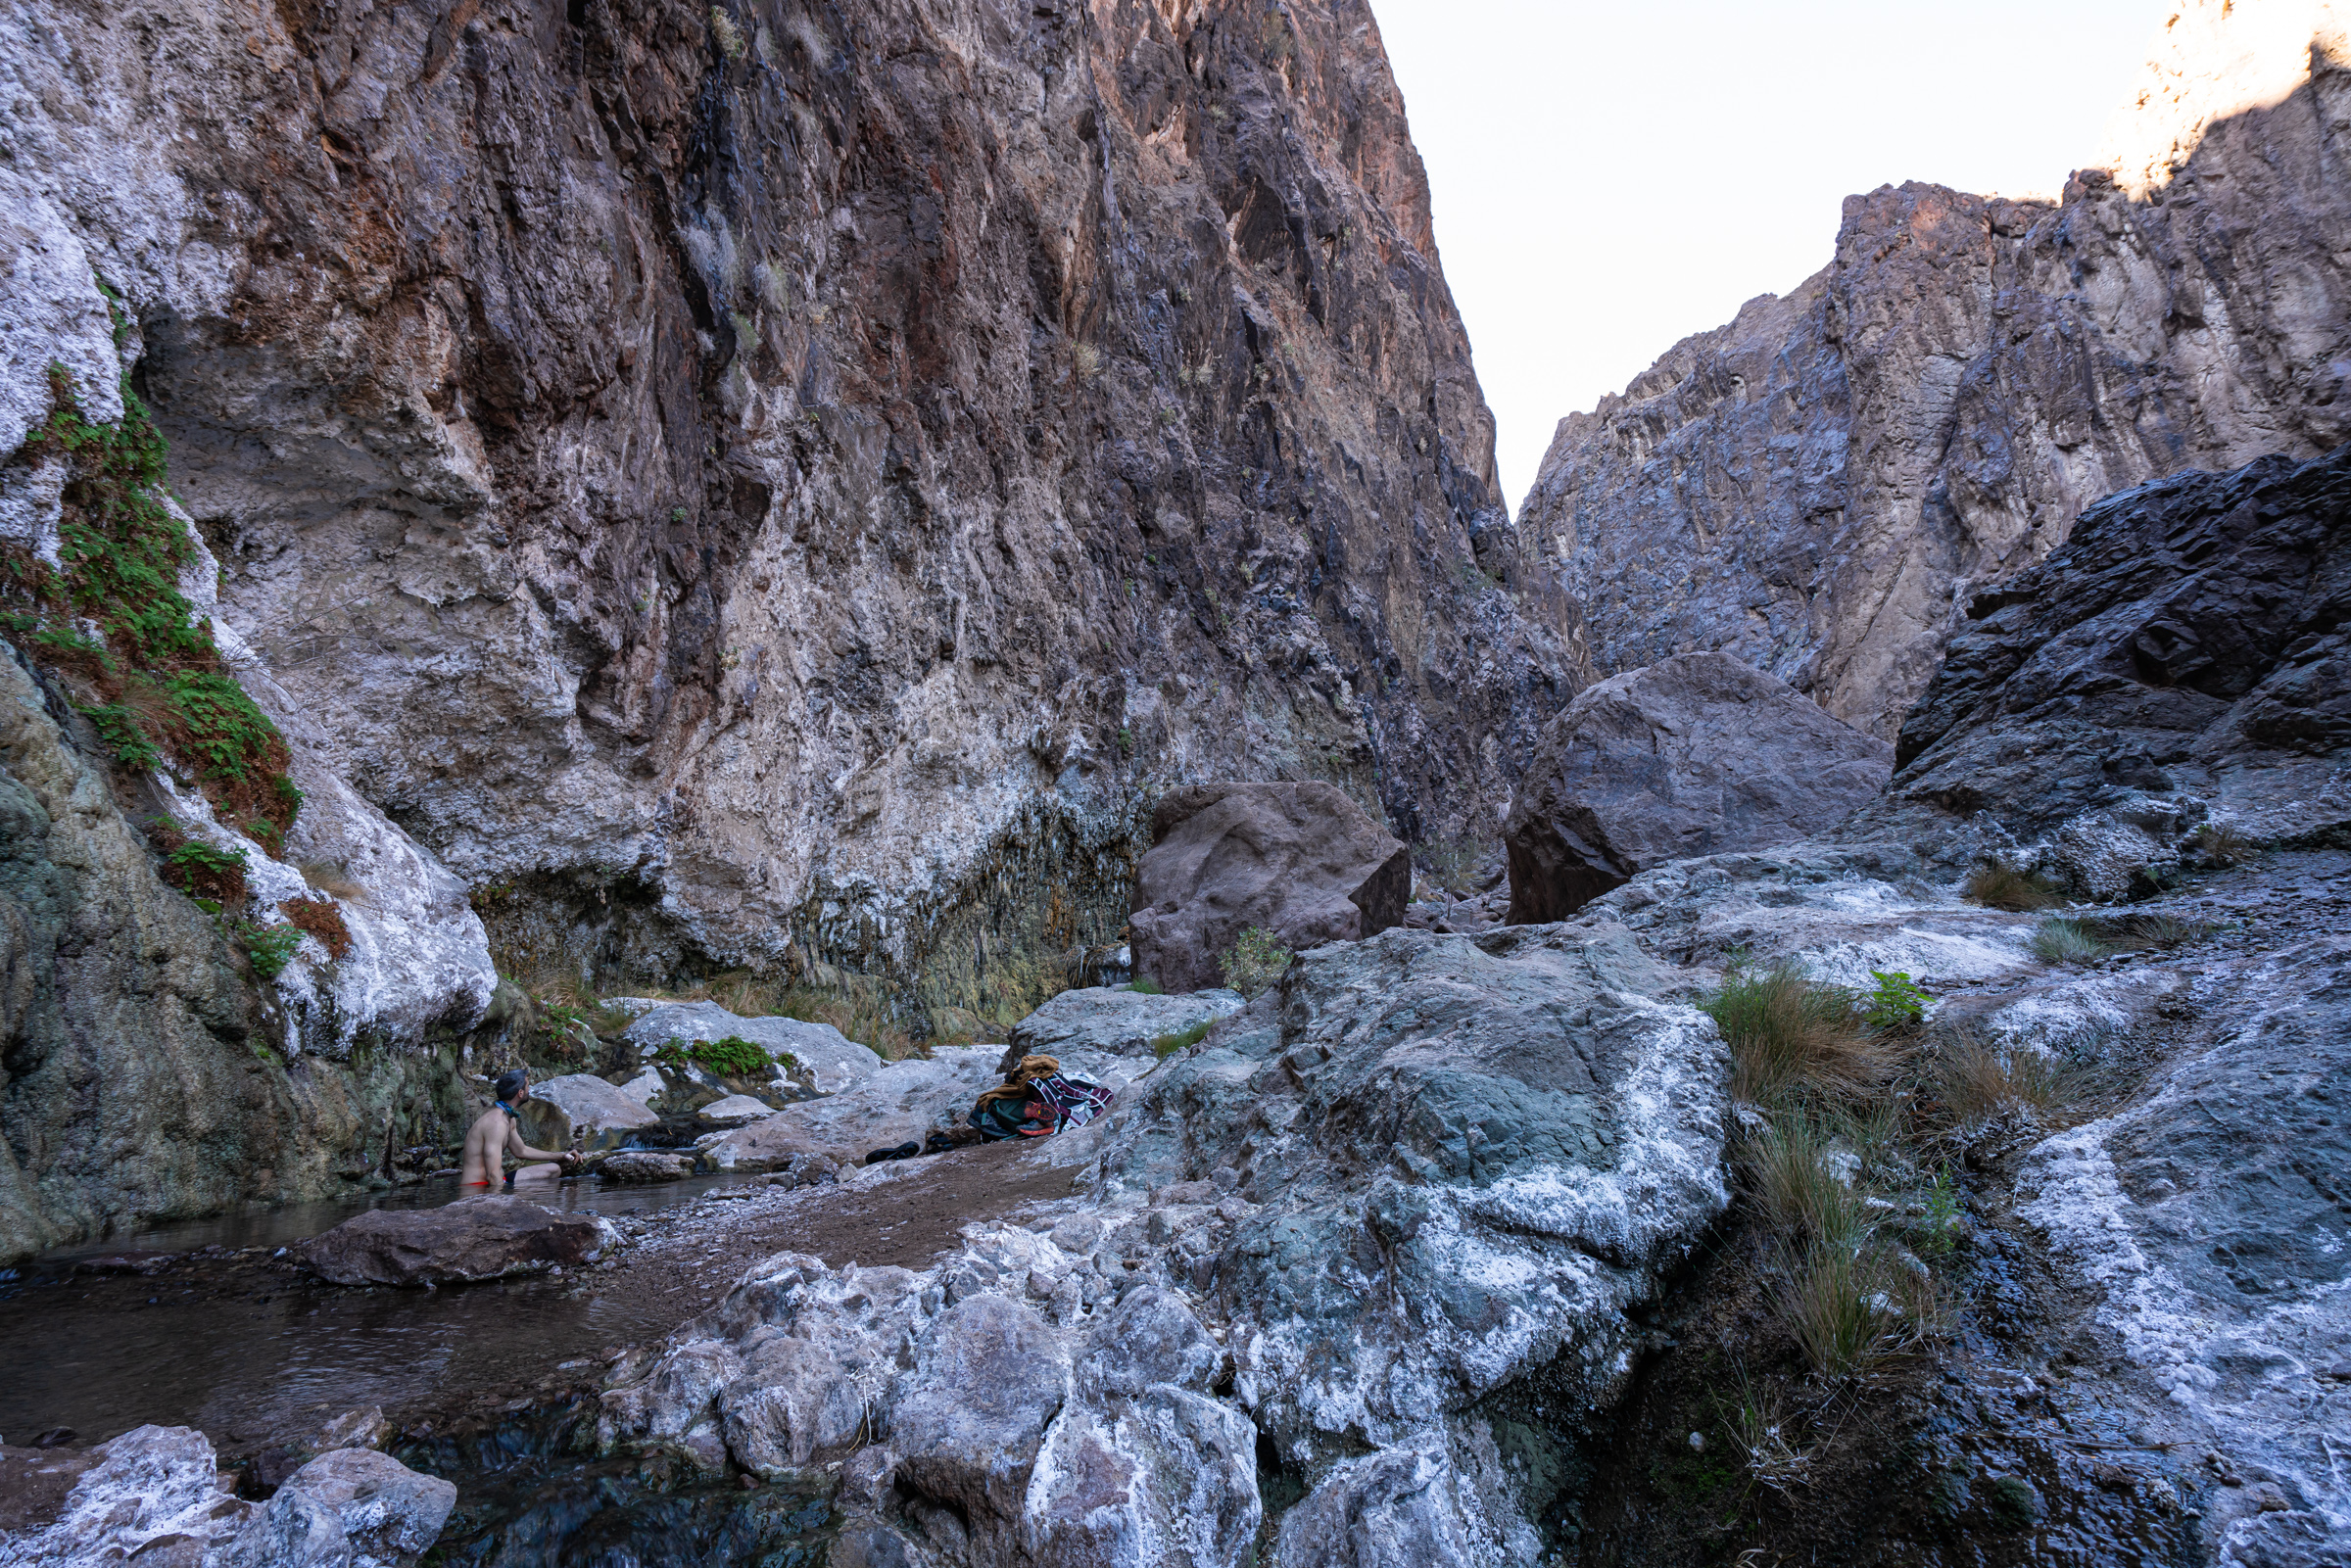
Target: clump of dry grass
1791,1038
1999,886
1850,1308
2057,940
1789,1173
2225,844
330,879
1977,1080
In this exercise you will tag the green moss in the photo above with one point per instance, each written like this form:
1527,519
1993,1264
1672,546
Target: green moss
732,1057
1167,1045
161,691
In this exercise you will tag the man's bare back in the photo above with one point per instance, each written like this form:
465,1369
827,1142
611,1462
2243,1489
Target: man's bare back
499,1132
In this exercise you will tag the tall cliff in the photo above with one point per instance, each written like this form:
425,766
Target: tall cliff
1819,486
771,468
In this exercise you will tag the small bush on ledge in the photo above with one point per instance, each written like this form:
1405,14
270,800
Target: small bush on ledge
1256,962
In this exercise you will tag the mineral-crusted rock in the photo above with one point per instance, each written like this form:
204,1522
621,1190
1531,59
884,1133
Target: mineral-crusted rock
152,1483
472,1238
1299,859
817,1056
1425,1168
1816,487
1104,1021
734,1110
145,1072
525,407
646,1165
1696,755
351,1509
2181,663
584,1104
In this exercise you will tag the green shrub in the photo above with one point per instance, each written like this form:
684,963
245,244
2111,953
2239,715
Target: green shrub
271,947
1256,962
1791,1038
1895,1002
2057,940
203,872
732,1057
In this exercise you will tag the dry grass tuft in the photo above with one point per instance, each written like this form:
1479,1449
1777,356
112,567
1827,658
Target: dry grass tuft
1791,1038
2224,844
333,879
1850,1308
2002,886
1977,1080
2057,940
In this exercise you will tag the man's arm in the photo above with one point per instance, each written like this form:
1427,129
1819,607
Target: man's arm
523,1151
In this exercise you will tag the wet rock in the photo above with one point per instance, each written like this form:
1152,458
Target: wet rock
582,1104
734,1110
351,1509
471,1239
817,1055
153,1483
1696,755
1105,1021
645,1165
1299,859
126,1263
2179,663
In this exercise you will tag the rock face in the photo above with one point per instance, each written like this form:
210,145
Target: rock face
749,483
472,1238
1818,485
2181,663
153,1496
1425,1172
1299,859
810,1056
1694,756
584,1104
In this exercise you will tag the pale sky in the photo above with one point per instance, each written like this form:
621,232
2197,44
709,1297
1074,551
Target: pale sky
1613,177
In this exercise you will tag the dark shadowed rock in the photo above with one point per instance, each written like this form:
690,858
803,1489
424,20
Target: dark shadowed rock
1698,755
1301,859
2182,661
473,1238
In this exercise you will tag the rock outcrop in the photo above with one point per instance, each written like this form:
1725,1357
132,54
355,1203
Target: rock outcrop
1819,486
1300,860
810,1057
1694,756
750,485
487,1237
2181,666
1103,1021
1312,1251
153,1495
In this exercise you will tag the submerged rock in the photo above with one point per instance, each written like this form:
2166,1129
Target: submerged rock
1696,755
1427,1167
1299,859
645,1165
471,1239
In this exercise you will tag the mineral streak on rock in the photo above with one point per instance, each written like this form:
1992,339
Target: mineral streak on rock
1818,485
1698,755
714,472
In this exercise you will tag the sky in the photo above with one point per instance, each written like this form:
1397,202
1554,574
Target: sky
1610,178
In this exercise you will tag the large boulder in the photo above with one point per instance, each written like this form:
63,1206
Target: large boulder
2182,661
1301,859
471,1239
807,1056
1431,1176
1696,755
582,1104
351,1509
899,1104
1111,1021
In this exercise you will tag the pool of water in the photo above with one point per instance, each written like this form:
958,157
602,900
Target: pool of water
254,1356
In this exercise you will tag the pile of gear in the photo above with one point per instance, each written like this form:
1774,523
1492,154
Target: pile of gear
1034,1101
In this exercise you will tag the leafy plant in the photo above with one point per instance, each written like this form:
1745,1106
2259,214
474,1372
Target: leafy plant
2003,886
1939,1227
271,947
2057,940
1257,960
119,729
1894,1002
201,871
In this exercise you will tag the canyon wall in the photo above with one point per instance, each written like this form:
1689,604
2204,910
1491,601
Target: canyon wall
768,480
1820,486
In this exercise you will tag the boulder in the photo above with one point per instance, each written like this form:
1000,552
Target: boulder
734,1110
1696,755
586,1104
473,1238
1299,859
153,1495
646,1165
1111,1021
811,1056
899,1104
2180,661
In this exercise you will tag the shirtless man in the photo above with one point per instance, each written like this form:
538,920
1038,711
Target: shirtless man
499,1131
